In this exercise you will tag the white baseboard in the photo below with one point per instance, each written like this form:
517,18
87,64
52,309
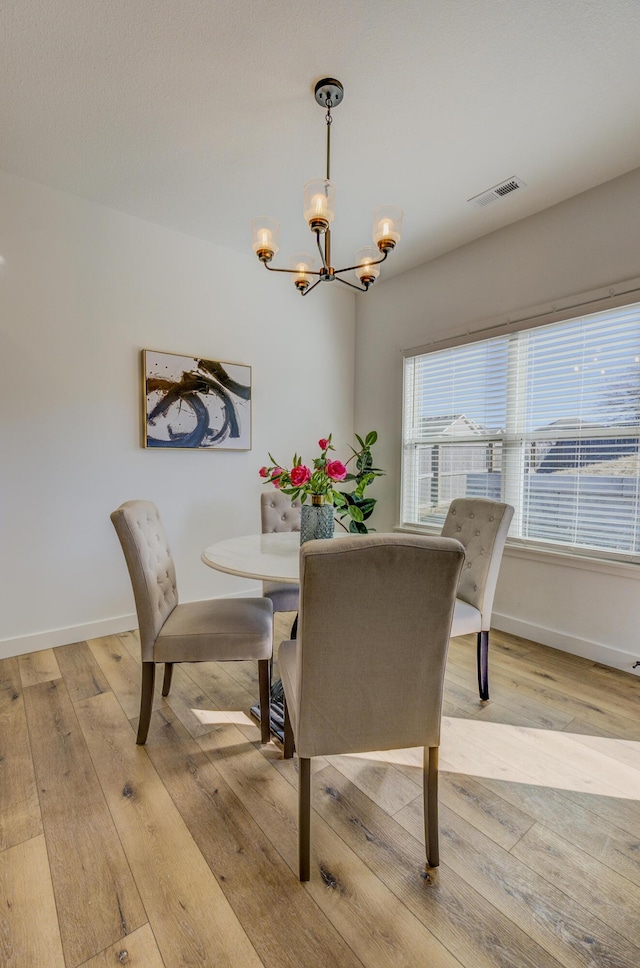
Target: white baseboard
38,641
596,651
74,633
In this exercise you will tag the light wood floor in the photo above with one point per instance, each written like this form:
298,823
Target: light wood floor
183,853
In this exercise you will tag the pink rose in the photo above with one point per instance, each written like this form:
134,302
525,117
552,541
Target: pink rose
276,483
299,475
323,444
276,472
264,472
336,470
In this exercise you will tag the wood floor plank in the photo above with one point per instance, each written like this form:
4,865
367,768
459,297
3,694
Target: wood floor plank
613,899
378,779
478,934
567,930
38,667
562,699
508,693
82,675
19,805
85,853
137,950
123,673
622,751
212,687
576,818
29,934
497,819
526,755
376,926
553,675
508,644
131,642
253,876
192,920
617,812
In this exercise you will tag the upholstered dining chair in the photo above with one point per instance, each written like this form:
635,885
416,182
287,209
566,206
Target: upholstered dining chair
214,630
279,513
367,669
481,526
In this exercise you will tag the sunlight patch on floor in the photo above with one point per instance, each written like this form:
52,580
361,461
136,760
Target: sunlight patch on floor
522,754
210,717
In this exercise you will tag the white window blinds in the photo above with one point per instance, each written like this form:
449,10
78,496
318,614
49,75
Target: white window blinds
547,419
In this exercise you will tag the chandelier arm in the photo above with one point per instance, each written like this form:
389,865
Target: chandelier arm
306,291
351,284
362,265
295,272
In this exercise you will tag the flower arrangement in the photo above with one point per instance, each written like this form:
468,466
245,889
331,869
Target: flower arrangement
318,482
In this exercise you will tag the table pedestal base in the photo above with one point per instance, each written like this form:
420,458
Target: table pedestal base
276,701
276,711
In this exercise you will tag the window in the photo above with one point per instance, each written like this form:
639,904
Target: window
547,419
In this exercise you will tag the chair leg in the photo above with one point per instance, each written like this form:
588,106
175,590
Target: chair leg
430,781
264,680
304,818
289,742
146,701
483,665
166,682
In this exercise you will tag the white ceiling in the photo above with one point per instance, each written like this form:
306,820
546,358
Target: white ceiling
199,114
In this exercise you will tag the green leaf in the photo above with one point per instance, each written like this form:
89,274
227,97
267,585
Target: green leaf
355,512
371,438
367,508
364,462
357,527
360,440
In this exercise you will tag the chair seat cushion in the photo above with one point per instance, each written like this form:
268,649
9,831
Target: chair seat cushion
466,619
216,630
284,596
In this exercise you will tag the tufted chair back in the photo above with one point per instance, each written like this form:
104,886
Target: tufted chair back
151,568
481,526
279,512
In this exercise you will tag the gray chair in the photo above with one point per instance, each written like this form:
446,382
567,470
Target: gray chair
215,630
481,526
367,669
279,513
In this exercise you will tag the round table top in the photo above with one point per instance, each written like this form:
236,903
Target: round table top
267,557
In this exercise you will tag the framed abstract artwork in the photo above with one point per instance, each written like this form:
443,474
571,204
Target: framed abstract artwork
194,403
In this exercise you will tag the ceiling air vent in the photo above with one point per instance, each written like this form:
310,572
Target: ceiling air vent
497,192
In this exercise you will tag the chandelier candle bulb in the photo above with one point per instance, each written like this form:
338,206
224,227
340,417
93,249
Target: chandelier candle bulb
387,225
367,272
319,201
265,231
302,265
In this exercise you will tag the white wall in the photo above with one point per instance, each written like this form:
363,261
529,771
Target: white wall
82,291
588,242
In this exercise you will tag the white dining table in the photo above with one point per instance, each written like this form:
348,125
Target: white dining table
266,557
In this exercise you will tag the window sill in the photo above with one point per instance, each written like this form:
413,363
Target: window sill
579,562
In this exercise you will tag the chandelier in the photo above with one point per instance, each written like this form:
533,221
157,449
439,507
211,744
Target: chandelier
319,211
